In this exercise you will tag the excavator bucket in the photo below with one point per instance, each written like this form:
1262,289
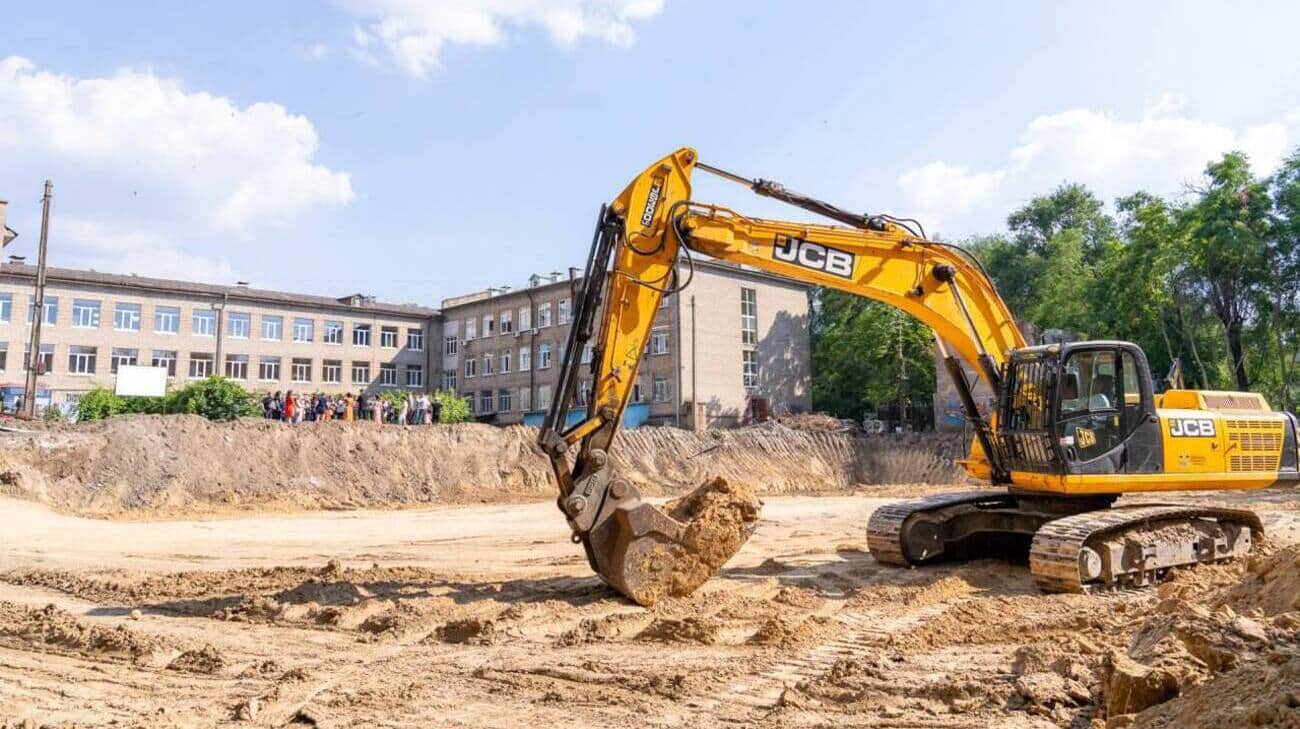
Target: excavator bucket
648,553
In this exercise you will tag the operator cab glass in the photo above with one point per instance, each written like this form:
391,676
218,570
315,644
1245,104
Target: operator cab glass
1079,408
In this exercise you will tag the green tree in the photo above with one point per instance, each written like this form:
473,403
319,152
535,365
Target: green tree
99,403
454,407
856,367
1228,228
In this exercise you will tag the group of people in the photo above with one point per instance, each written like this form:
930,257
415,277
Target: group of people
294,407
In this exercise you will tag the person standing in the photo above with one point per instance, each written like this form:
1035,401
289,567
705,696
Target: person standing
405,411
290,407
377,410
349,408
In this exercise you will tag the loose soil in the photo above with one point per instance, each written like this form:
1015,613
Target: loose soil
153,466
485,616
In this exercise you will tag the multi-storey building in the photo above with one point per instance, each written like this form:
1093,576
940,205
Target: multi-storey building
268,340
734,340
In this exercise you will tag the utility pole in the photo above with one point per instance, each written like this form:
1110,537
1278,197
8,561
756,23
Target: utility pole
38,313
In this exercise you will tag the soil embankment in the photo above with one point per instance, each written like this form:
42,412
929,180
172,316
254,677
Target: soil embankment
150,466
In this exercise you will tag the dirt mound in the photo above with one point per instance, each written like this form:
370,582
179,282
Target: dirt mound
182,464
475,631
703,631
55,629
787,633
206,660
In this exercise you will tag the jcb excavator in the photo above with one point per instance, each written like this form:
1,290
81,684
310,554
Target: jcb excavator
1074,426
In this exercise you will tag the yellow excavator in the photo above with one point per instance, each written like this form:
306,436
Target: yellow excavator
1072,427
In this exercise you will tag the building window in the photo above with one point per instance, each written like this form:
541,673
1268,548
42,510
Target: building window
450,346
304,331
300,369
126,317
471,367
659,341
4,356
237,366
544,357
388,374
333,332
268,369
507,322
239,324
120,356
272,328
525,318
506,356
166,319
487,363
51,309
749,369
331,370
587,353
503,401
485,401
415,339
203,323
414,376
663,302
361,373
470,329
543,315
44,361
523,398
449,380
166,359
748,317
489,325
388,337
85,313
637,394
361,335
584,392
6,308
81,360
525,359
564,311
200,365
661,389
543,397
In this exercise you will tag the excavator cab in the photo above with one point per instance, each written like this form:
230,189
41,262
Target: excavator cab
1078,408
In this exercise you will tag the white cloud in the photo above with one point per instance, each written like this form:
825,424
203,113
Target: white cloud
414,32
105,248
134,151
1159,152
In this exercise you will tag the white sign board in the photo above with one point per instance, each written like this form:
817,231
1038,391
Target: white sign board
141,381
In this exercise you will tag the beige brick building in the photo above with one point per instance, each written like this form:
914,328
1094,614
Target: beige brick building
735,338
267,340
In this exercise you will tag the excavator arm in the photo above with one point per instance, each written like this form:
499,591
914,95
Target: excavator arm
643,239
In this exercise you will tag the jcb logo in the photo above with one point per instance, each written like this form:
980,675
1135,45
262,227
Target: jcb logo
1191,427
813,255
652,203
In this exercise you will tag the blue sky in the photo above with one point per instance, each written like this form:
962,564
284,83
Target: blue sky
417,150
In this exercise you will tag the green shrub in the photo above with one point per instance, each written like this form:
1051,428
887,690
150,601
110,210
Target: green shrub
215,398
454,408
99,403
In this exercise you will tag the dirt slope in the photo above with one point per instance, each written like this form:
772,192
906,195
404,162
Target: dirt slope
178,465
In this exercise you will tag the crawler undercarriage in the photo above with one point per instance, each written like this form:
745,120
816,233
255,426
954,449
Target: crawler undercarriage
1072,544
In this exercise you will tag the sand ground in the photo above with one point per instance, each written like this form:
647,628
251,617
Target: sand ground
487,616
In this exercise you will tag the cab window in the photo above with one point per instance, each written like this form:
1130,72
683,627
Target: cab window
1090,405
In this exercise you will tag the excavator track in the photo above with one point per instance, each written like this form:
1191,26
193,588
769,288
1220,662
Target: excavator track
1135,546
888,528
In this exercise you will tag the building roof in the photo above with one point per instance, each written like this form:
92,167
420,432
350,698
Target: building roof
355,302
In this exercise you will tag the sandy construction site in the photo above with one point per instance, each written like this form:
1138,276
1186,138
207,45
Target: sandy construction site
140,590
